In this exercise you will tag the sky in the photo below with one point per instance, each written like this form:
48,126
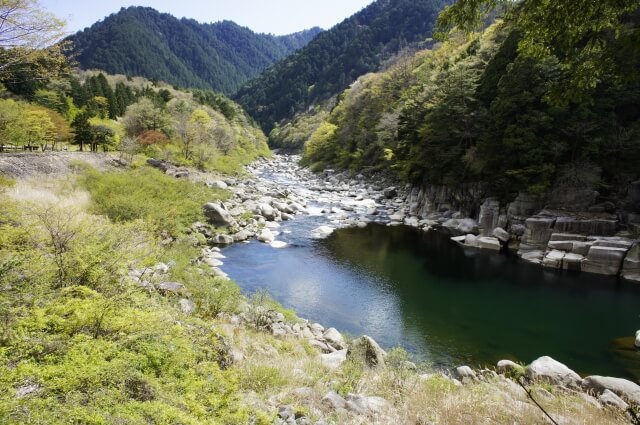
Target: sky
266,16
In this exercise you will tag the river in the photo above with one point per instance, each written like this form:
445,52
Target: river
446,304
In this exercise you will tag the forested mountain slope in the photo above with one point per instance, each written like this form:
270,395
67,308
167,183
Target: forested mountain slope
335,58
144,42
478,110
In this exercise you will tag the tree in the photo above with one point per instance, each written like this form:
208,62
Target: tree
28,37
143,116
577,33
199,143
82,129
102,135
34,127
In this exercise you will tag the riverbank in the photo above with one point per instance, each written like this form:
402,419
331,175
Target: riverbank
163,340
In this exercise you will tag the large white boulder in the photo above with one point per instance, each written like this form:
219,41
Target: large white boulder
266,236
546,369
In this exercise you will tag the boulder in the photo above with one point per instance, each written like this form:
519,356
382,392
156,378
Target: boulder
467,225
282,207
609,398
366,346
631,264
572,262
222,239
537,233
218,184
465,374
186,306
502,235
169,287
546,369
604,260
485,242
489,216
267,211
334,360
553,259
217,215
471,240
506,366
628,390
242,235
334,338
159,164
561,245
334,401
266,236
390,192
322,232
637,342
364,405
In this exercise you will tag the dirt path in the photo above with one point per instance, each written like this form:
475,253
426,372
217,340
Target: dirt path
23,165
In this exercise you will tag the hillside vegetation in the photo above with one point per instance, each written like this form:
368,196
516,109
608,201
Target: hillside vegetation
89,110
334,59
479,109
140,41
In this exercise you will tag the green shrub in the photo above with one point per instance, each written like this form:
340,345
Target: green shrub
261,378
163,202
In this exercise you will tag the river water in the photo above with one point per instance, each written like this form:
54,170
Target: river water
446,304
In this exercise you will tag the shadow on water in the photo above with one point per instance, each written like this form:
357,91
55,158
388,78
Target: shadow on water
447,304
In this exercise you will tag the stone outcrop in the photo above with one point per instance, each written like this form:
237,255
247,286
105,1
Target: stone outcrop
366,346
625,389
546,369
604,260
631,264
538,231
489,216
217,215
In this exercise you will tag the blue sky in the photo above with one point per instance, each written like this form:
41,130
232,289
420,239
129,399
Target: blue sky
268,16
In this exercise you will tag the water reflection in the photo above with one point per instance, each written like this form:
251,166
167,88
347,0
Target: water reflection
446,304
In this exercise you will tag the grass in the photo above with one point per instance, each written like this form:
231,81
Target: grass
162,202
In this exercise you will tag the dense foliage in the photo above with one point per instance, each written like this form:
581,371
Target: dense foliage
133,115
80,342
334,59
142,41
478,109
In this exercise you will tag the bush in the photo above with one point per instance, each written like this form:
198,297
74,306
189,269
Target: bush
261,378
165,203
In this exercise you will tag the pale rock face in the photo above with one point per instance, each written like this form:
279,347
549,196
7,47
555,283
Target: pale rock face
334,360
501,234
364,405
334,338
609,398
546,369
217,215
604,260
627,390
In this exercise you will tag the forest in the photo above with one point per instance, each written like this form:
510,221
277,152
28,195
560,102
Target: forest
140,41
334,59
485,107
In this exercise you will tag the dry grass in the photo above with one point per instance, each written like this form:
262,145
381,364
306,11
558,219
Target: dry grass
294,376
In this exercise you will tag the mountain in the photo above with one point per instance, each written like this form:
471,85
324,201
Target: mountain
142,41
335,58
